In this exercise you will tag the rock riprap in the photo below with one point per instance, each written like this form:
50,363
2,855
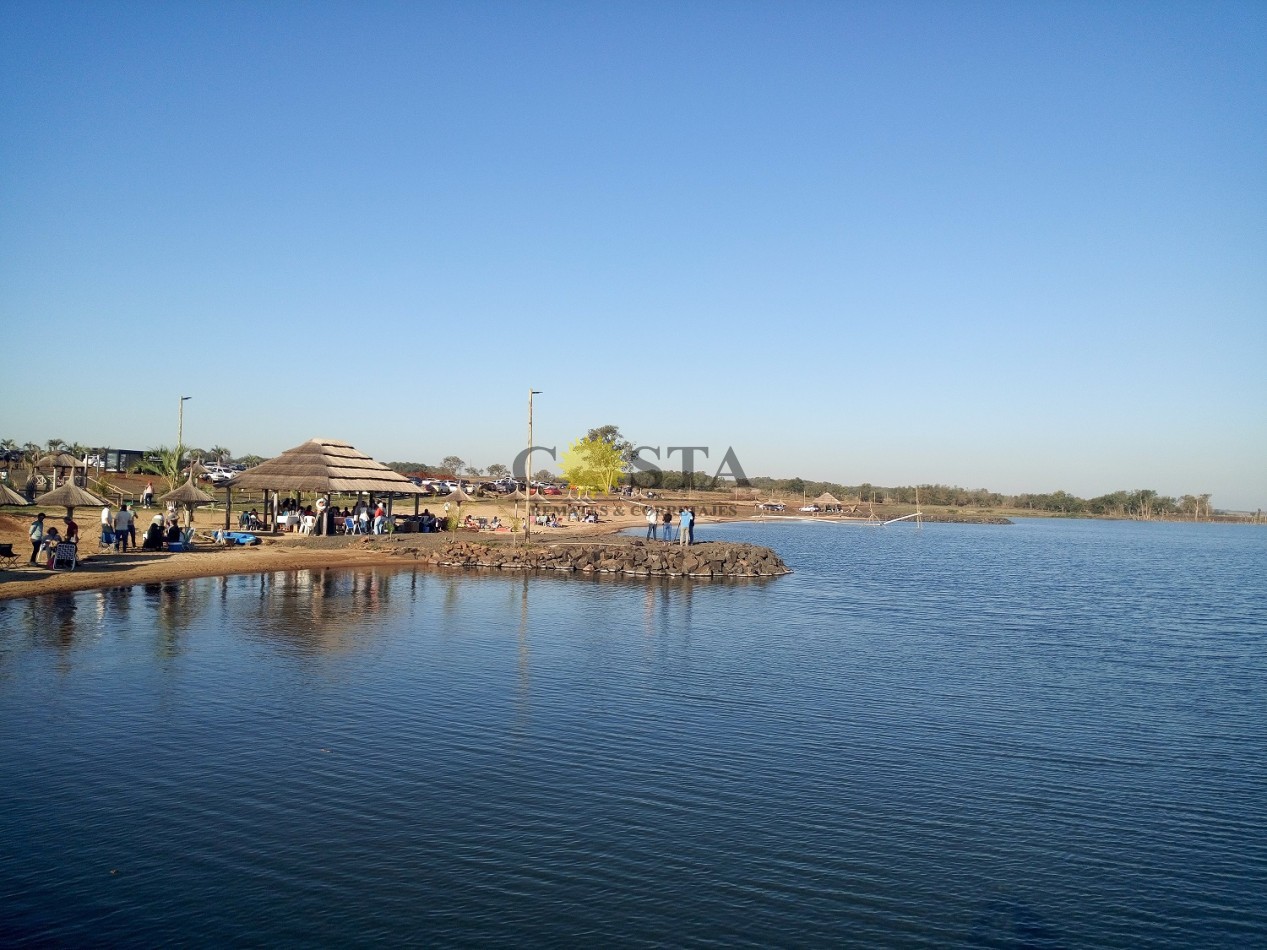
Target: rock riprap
636,558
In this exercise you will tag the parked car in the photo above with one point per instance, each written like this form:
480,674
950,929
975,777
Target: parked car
552,490
771,506
812,509
218,474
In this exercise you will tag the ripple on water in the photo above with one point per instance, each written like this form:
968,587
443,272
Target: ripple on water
1046,734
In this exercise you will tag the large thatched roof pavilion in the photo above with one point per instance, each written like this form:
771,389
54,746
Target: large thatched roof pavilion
323,466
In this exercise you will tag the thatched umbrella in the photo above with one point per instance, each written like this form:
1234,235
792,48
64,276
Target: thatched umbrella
9,497
71,496
516,496
60,460
188,495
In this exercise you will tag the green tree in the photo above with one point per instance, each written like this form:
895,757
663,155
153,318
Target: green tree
612,436
452,465
593,463
219,453
498,470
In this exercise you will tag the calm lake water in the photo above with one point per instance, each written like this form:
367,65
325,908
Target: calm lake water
1052,734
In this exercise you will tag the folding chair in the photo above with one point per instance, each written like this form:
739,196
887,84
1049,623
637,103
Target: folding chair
7,557
65,556
107,539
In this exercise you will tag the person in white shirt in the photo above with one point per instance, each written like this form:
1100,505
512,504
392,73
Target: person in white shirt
123,527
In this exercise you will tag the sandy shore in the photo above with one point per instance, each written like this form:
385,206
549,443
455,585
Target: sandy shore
285,552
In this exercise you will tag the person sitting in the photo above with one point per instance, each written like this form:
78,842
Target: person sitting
244,520
173,533
52,538
253,521
153,540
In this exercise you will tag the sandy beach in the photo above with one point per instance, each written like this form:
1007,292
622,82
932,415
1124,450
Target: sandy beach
99,568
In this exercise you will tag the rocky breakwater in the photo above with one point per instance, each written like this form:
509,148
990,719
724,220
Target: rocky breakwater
635,558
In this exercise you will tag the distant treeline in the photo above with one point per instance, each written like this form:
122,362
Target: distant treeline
1141,503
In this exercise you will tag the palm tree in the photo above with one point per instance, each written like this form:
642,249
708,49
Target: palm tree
220,454
55,445
163,462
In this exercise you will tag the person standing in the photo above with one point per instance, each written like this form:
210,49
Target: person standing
691,528
123,528
147,497
36,534
685,520
668,525
72,530
653,519
107,521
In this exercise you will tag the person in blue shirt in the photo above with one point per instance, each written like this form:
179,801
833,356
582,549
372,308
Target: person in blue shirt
685,521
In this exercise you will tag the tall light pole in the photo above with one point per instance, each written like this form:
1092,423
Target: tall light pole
180,428
528,468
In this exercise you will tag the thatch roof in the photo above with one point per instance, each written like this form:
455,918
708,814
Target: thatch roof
827,498
458,496
325,465
60,460
69,495
9,497
516,495
187,494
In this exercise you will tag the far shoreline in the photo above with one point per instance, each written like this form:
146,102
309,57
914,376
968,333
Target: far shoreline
292,552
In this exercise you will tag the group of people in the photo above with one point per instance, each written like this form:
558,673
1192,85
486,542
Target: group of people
686,525
159,533
44,540
118,529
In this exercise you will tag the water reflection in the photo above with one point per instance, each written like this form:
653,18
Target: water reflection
523,693
174,606
315,611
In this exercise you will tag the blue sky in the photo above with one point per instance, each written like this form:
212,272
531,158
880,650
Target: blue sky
1013,246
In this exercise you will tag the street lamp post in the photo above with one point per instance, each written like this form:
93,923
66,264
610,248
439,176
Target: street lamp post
180,430
528,469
